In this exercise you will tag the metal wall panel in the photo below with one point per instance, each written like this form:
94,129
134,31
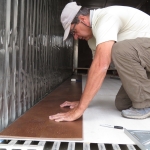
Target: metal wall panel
34,60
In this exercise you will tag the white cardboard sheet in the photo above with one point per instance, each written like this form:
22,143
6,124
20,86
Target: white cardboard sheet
102,110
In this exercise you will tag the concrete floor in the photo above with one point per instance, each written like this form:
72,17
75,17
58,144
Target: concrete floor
102,110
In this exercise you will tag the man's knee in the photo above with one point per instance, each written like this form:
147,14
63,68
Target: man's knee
122,104
118,105
148,75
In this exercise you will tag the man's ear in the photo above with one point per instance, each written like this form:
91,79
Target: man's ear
82,18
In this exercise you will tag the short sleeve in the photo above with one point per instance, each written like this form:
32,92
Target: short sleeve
106,28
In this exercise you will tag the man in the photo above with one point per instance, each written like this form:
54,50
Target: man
119,33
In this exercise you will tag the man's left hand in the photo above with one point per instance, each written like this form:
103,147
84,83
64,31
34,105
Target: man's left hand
71,115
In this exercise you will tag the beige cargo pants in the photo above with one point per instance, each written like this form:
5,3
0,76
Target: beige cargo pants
132,61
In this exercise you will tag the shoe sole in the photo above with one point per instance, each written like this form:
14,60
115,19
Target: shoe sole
137,117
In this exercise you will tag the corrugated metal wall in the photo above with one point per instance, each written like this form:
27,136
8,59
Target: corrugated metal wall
33,57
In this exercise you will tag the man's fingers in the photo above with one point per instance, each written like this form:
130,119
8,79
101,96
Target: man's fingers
71,107
66,103
64,117
59,119
68,116
53,117
71,104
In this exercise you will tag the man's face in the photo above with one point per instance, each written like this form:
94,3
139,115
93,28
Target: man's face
81,30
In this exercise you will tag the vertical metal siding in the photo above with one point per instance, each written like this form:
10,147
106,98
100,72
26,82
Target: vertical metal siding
6,78
33,57
13,65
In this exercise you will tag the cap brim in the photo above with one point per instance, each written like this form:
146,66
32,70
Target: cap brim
66,33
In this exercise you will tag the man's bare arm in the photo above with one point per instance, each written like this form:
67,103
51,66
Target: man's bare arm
95,79
97,72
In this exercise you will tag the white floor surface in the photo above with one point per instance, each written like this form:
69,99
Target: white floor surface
102,110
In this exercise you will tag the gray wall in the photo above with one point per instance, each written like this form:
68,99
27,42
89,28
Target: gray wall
34,60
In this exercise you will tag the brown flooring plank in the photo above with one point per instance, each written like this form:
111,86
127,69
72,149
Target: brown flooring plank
35,122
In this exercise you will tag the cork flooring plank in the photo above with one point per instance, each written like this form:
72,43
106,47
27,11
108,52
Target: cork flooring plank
35,122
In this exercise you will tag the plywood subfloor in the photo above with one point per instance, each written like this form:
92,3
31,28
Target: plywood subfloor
35,122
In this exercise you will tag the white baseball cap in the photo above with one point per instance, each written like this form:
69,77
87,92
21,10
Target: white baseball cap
68,14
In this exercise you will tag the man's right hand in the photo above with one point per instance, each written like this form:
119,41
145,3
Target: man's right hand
70,104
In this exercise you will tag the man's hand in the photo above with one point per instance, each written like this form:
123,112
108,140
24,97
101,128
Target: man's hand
71,115
70,104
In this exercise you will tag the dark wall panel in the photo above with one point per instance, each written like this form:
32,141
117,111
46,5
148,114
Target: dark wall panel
143,5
